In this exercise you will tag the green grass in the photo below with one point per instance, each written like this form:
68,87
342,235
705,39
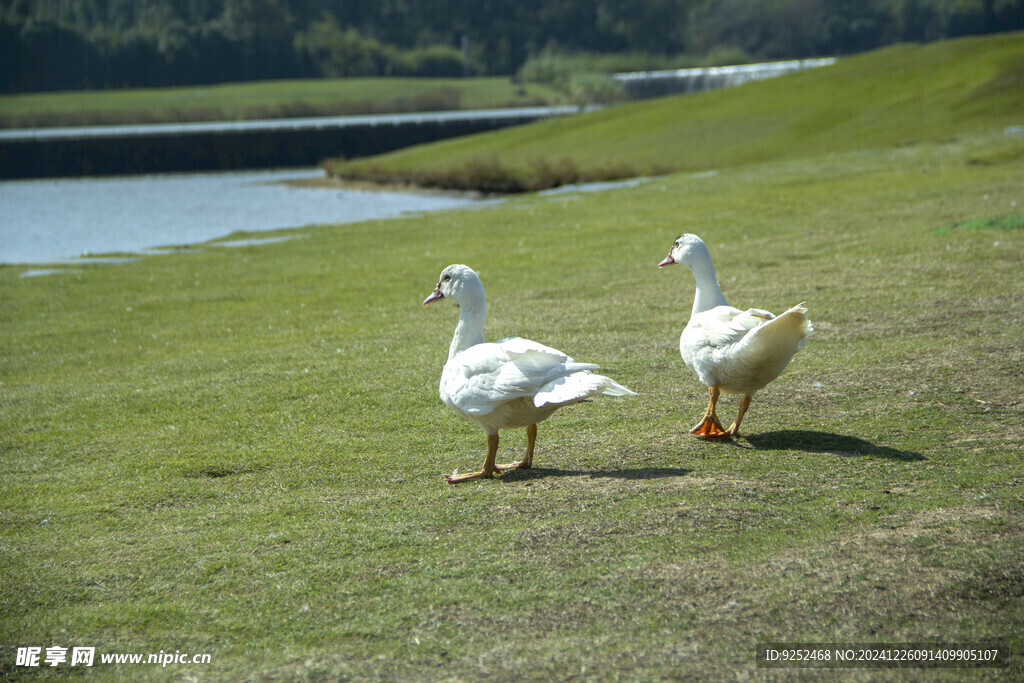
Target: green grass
894,96
998,223
240,451
267,99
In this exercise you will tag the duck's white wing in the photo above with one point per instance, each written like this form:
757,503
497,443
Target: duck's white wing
486,375
724,325
560,378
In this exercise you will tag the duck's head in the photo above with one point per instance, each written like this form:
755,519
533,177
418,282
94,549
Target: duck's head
687,250
457,282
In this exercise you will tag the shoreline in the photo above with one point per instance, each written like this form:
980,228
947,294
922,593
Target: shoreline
332,182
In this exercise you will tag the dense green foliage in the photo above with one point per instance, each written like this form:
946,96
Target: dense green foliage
49,45
895,95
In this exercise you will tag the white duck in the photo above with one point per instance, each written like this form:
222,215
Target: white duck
511,383
730,350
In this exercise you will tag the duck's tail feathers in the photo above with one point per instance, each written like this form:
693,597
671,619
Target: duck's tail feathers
787,331
766,351
578,386
803,325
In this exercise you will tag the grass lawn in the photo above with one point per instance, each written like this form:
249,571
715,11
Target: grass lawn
267,99
239,451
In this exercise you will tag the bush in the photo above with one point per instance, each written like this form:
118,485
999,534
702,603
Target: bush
341,53
337,52
435,61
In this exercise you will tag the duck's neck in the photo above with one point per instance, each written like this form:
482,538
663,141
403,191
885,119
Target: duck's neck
470,330
709,293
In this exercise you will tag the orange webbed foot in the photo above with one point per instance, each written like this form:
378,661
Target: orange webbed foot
710,428
519,465
458,478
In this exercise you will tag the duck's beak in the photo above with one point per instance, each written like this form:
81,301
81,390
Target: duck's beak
667,262
434,296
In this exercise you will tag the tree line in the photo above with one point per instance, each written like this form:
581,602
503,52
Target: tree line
78,44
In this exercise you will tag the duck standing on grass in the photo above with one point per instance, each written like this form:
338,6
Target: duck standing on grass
730,350
511,383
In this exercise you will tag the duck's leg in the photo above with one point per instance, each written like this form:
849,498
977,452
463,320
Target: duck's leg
734,428
527,461
488,470
709,427
531,441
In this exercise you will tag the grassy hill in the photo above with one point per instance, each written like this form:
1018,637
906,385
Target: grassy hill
239,451
894,96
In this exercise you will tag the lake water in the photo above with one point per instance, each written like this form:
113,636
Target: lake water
55,220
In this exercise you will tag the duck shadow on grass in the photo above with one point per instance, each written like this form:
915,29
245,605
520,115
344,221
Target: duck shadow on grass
644,473
825,442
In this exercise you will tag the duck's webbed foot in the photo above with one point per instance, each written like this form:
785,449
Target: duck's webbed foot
456,478
489,468
517,465
709,427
